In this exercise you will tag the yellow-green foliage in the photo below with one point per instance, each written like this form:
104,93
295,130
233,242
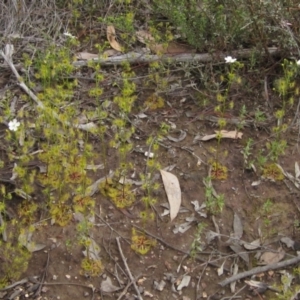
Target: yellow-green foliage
14,261
218,171
140,243
272,172
120,194
91,267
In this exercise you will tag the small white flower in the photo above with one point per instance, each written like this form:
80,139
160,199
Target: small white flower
68,34
229,59
13,125
298,62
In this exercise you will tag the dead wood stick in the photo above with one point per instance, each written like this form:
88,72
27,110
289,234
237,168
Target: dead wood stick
135,57
260,270
128,270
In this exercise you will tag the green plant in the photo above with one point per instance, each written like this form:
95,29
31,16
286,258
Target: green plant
197,244
259,116
14,260
214,202
289,290
140,243
272,172
120,194
152,166
64,163
224,25
266,211
267,207
218,171
246,151
223,105
287,88
91,267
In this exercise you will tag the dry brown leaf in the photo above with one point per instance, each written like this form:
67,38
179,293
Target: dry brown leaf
172,48
224,134
176,48
173,192
146,38
111,37
268,258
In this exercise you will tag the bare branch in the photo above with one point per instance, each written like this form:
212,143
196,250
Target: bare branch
132,279
257,270
135,57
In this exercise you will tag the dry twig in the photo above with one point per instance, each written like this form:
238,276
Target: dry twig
128,270
257,270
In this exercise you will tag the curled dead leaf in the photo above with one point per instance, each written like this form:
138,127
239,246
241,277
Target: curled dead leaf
269,257
111,37
146,38
173,47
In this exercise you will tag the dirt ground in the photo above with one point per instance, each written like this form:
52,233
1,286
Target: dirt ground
160,273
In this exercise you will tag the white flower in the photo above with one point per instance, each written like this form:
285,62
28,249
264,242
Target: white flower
13,125
229,59
68,34
298,62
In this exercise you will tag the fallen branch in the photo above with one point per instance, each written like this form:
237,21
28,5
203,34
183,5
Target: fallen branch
7,56
257,270
135,57
132,279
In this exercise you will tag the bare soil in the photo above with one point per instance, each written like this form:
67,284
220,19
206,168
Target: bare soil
58,265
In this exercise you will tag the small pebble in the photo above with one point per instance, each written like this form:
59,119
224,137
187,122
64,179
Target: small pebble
68,276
